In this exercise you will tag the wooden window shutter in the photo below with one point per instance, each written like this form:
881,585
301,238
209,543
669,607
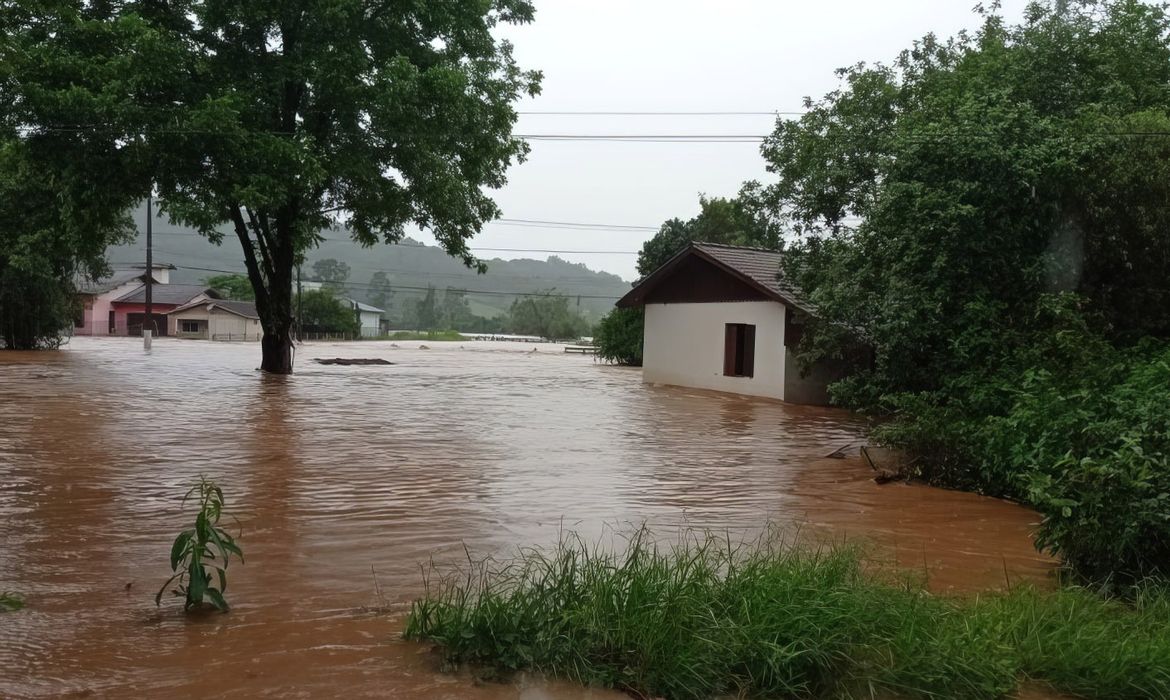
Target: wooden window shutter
749,351
729,350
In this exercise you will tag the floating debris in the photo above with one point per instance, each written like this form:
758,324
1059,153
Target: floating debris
351,361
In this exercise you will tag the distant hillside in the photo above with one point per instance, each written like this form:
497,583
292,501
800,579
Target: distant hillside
410,267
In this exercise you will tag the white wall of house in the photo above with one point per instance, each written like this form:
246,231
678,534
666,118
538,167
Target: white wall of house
371,323
218,325
228,326
197,314
684,346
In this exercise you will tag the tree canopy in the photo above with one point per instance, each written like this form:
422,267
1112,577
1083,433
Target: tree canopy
989,214
939,198
231,286
322,312
279,119
46,246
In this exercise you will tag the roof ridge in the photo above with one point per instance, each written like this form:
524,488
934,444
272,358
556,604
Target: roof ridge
738,247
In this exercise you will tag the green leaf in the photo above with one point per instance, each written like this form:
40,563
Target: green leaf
217,599
179,548
197,584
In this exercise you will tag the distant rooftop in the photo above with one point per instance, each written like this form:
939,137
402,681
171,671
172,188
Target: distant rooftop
155,265
247,309
167,294
86,285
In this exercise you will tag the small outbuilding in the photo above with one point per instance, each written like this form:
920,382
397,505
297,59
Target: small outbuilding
216,319
722,317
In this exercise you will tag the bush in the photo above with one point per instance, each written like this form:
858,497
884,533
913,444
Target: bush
619,337
1077,429
706,618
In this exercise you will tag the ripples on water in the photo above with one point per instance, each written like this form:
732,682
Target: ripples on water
340,474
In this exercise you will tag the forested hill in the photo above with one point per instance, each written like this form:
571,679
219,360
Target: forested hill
409,266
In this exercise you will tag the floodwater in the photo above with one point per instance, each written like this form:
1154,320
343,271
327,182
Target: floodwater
346,480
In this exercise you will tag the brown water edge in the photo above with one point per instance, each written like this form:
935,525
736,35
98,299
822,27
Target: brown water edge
337,471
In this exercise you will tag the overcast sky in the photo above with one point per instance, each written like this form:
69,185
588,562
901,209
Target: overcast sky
676,55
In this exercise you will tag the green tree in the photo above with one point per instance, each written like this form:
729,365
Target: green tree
455,312
332,274
45,246
422,313
619,336
322,312
988,215
940,198
381,293
738,221
231,286
548,315
280,120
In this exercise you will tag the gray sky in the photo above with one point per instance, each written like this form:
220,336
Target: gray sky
676,55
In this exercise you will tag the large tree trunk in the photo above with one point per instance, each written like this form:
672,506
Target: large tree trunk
277,320
277,352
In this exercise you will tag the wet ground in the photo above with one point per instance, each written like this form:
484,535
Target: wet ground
346,480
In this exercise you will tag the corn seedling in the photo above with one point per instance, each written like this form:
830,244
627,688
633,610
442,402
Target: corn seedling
200,555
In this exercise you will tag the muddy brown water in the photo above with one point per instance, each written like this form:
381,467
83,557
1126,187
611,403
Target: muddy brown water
343,475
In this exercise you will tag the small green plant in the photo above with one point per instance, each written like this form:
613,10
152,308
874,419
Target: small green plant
10,602
200,551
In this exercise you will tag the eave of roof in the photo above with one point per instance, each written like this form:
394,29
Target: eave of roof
636,296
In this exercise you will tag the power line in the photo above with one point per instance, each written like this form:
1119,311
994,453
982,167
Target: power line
548,250
468,292
577,224
587,113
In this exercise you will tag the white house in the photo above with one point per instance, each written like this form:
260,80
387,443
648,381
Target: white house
369,317
721,317
216,319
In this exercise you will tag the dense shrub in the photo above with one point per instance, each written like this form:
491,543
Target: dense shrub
1077,429
619,337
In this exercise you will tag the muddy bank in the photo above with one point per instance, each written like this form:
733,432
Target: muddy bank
333,472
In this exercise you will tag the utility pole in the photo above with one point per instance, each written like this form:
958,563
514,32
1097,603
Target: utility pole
148,320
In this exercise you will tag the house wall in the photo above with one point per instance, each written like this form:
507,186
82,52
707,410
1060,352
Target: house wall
97,309
370,323
684,346
123,310
194,314
228,326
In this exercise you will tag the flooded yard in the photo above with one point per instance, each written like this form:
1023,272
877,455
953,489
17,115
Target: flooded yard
347,480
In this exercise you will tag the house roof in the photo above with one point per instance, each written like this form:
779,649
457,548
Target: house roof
365,307
247,309
757,267
176,294
86,285
154,265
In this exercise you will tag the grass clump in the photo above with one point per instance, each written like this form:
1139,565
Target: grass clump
10,602
706,618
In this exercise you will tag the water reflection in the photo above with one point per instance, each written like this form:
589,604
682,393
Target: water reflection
346,479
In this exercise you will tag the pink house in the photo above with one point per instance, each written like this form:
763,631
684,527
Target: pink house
129,310
96,316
